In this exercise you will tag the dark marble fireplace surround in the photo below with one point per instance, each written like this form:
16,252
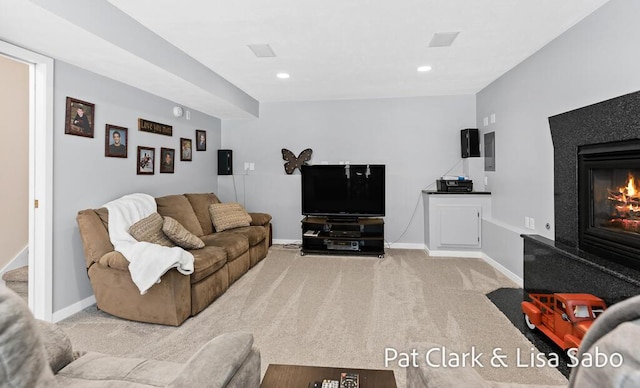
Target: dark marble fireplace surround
560,266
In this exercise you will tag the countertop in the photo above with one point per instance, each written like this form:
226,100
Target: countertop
456,193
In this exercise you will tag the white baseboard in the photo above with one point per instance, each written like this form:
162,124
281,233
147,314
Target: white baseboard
286,242
404,246
467,254
514,278
74,308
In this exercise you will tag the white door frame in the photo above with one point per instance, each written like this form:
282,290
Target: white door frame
40,178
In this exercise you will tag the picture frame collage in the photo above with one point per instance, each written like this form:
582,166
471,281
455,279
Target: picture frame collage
80,121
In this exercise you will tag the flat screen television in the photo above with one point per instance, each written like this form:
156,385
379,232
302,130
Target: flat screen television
349,191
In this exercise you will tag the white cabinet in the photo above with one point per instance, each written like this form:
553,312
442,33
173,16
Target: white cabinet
459,225
453,222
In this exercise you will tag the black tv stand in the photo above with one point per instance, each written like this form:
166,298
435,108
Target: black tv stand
343,236
338,220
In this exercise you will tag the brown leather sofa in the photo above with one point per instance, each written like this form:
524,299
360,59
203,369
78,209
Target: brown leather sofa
226,257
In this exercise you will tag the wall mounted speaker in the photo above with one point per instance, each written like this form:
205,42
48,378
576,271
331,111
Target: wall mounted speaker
225,162
470,142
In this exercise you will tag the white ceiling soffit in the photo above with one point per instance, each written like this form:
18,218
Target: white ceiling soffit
99,37
195,52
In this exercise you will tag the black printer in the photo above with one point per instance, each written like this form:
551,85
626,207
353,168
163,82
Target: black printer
455,185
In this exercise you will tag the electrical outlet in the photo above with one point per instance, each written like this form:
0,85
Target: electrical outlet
252,166
246,166
527,222
532,223
485,121
493,118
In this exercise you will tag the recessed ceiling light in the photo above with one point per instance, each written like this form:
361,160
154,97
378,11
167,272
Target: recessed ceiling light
283,75
424,68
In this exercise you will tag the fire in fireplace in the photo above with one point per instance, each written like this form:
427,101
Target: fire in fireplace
624,203
609,200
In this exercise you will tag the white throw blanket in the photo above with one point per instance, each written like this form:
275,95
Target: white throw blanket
147,262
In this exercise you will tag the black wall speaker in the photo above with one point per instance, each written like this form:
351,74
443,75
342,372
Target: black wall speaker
225,162
470,142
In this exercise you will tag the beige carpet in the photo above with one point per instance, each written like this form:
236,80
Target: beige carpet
337,311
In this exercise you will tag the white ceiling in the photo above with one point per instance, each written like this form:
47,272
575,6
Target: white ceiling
333,49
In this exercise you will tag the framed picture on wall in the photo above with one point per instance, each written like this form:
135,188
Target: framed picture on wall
201,140
115,141
79,119
167,160
146,160
185,149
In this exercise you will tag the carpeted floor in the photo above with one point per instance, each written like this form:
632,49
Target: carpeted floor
338,311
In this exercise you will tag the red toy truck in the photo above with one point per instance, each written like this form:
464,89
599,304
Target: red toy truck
564,318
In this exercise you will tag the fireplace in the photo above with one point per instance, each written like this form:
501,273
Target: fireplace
596,248
609,200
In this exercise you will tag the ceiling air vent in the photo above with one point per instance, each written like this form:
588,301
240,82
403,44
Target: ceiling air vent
262,50
443,39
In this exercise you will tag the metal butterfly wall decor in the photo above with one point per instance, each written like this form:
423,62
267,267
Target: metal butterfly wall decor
294,162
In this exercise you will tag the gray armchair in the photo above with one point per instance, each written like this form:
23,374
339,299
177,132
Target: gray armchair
39,354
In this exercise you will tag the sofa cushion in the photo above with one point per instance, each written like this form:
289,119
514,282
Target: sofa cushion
255,234
101,370
260,219
179,208
207,261
200,204
149,229
228,216
235,244
23,361
179,235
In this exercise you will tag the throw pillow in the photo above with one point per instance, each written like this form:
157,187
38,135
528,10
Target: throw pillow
180,235
149,229
229,215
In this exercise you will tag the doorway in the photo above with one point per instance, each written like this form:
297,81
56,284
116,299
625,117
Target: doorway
40,177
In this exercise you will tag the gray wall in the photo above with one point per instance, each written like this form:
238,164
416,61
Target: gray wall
417,138
84,178
596,60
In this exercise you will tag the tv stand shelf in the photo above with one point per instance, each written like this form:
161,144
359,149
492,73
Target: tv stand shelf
362,236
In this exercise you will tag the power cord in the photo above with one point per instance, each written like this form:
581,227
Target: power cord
418,203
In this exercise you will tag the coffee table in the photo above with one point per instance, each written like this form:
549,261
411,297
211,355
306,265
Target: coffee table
299,376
